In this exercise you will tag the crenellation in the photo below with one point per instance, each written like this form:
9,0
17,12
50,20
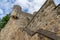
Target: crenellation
47,18
17,20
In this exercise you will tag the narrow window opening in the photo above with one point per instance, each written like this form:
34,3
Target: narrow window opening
14,17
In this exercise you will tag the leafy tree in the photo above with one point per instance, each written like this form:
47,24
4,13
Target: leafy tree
4,21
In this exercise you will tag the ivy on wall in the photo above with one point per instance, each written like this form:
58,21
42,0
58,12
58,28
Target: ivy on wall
4,21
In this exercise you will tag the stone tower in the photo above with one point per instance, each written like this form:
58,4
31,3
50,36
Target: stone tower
47,18
12,29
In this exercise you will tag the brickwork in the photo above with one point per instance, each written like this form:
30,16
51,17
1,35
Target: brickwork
47,18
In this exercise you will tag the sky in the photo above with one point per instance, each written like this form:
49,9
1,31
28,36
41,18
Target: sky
28,6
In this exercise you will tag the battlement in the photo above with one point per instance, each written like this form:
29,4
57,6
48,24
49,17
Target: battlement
17,12
46,19
17,7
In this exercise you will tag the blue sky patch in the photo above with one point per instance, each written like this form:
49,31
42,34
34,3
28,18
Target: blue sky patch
30,0
27,5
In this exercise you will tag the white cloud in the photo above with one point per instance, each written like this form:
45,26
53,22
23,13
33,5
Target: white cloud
31,5
1,11
5,7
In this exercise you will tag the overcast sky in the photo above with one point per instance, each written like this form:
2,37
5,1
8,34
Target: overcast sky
28,6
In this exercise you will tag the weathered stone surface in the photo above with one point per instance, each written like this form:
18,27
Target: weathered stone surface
47,18
35,37
12,29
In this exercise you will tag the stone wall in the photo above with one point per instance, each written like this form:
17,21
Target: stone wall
17,20
47,18
42,14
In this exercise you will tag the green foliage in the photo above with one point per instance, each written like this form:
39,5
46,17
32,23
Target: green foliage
4,21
